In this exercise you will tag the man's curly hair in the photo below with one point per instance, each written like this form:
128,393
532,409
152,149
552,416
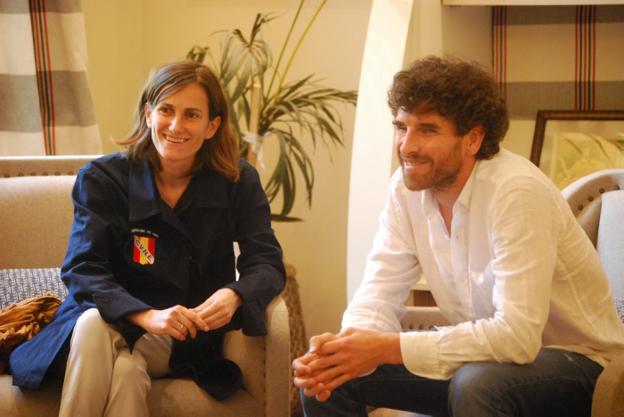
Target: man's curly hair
460,91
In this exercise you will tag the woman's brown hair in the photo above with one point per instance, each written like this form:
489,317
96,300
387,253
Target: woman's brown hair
221,152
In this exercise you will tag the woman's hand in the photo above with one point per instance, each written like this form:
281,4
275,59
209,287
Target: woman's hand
217,311
177,321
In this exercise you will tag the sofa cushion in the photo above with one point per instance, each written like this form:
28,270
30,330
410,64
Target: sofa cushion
167,397
21,283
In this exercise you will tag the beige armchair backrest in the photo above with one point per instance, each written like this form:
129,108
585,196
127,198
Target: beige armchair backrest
23,166
585,197
597,201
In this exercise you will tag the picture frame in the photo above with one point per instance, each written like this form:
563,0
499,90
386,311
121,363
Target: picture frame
570,144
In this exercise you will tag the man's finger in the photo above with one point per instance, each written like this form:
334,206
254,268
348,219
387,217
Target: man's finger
329,374
323,395
314,390
317,341
306,383
300,368
341,379
332,345
323,362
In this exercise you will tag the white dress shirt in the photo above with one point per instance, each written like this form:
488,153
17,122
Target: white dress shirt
515,274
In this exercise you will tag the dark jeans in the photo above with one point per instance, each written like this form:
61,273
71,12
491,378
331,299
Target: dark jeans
558,383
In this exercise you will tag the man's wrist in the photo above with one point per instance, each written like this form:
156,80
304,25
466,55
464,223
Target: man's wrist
392,349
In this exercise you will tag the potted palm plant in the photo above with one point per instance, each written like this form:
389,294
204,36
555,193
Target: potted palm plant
267,106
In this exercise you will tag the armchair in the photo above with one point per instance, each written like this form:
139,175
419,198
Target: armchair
35,218
597,201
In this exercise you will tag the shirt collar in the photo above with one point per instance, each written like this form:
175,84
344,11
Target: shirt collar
429,203
464,196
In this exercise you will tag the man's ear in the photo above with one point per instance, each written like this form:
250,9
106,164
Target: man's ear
475,139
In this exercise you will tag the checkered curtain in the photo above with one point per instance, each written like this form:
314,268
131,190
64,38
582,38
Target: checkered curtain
45,102
559,57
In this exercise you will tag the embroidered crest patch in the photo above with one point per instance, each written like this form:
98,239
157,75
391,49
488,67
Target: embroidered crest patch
144,250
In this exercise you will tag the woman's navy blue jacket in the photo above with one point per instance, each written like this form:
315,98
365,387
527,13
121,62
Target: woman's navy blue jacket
128,251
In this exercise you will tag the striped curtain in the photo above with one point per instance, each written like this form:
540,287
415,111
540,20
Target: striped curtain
45,102
559,57
585,58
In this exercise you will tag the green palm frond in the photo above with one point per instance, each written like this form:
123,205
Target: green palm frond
289,110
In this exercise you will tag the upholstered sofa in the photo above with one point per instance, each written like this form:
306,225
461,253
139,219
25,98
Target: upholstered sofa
35,217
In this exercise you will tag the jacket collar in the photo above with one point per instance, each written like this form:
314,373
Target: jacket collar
142,193
208,189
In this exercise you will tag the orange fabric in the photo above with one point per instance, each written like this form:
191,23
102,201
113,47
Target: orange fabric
21,321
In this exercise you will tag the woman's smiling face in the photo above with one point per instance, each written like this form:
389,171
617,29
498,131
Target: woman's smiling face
180,124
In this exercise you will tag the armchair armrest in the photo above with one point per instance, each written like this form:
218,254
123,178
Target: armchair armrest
265,360
278,368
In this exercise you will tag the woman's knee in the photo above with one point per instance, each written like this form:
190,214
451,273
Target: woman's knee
91,331
90,319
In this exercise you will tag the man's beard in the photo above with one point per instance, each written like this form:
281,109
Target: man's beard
438,178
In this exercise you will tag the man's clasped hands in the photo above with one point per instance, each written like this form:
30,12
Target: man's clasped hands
334,359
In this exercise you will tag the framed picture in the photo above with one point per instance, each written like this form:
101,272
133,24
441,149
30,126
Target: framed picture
570,144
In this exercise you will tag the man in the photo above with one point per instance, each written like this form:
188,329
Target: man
532,322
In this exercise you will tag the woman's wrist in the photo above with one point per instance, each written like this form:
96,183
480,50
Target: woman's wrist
138,317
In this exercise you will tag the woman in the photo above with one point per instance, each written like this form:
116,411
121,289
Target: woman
150,266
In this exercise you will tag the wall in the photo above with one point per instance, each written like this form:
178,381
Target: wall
115,54
126,38
371,156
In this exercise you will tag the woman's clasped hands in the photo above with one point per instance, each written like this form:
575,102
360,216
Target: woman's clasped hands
179,322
